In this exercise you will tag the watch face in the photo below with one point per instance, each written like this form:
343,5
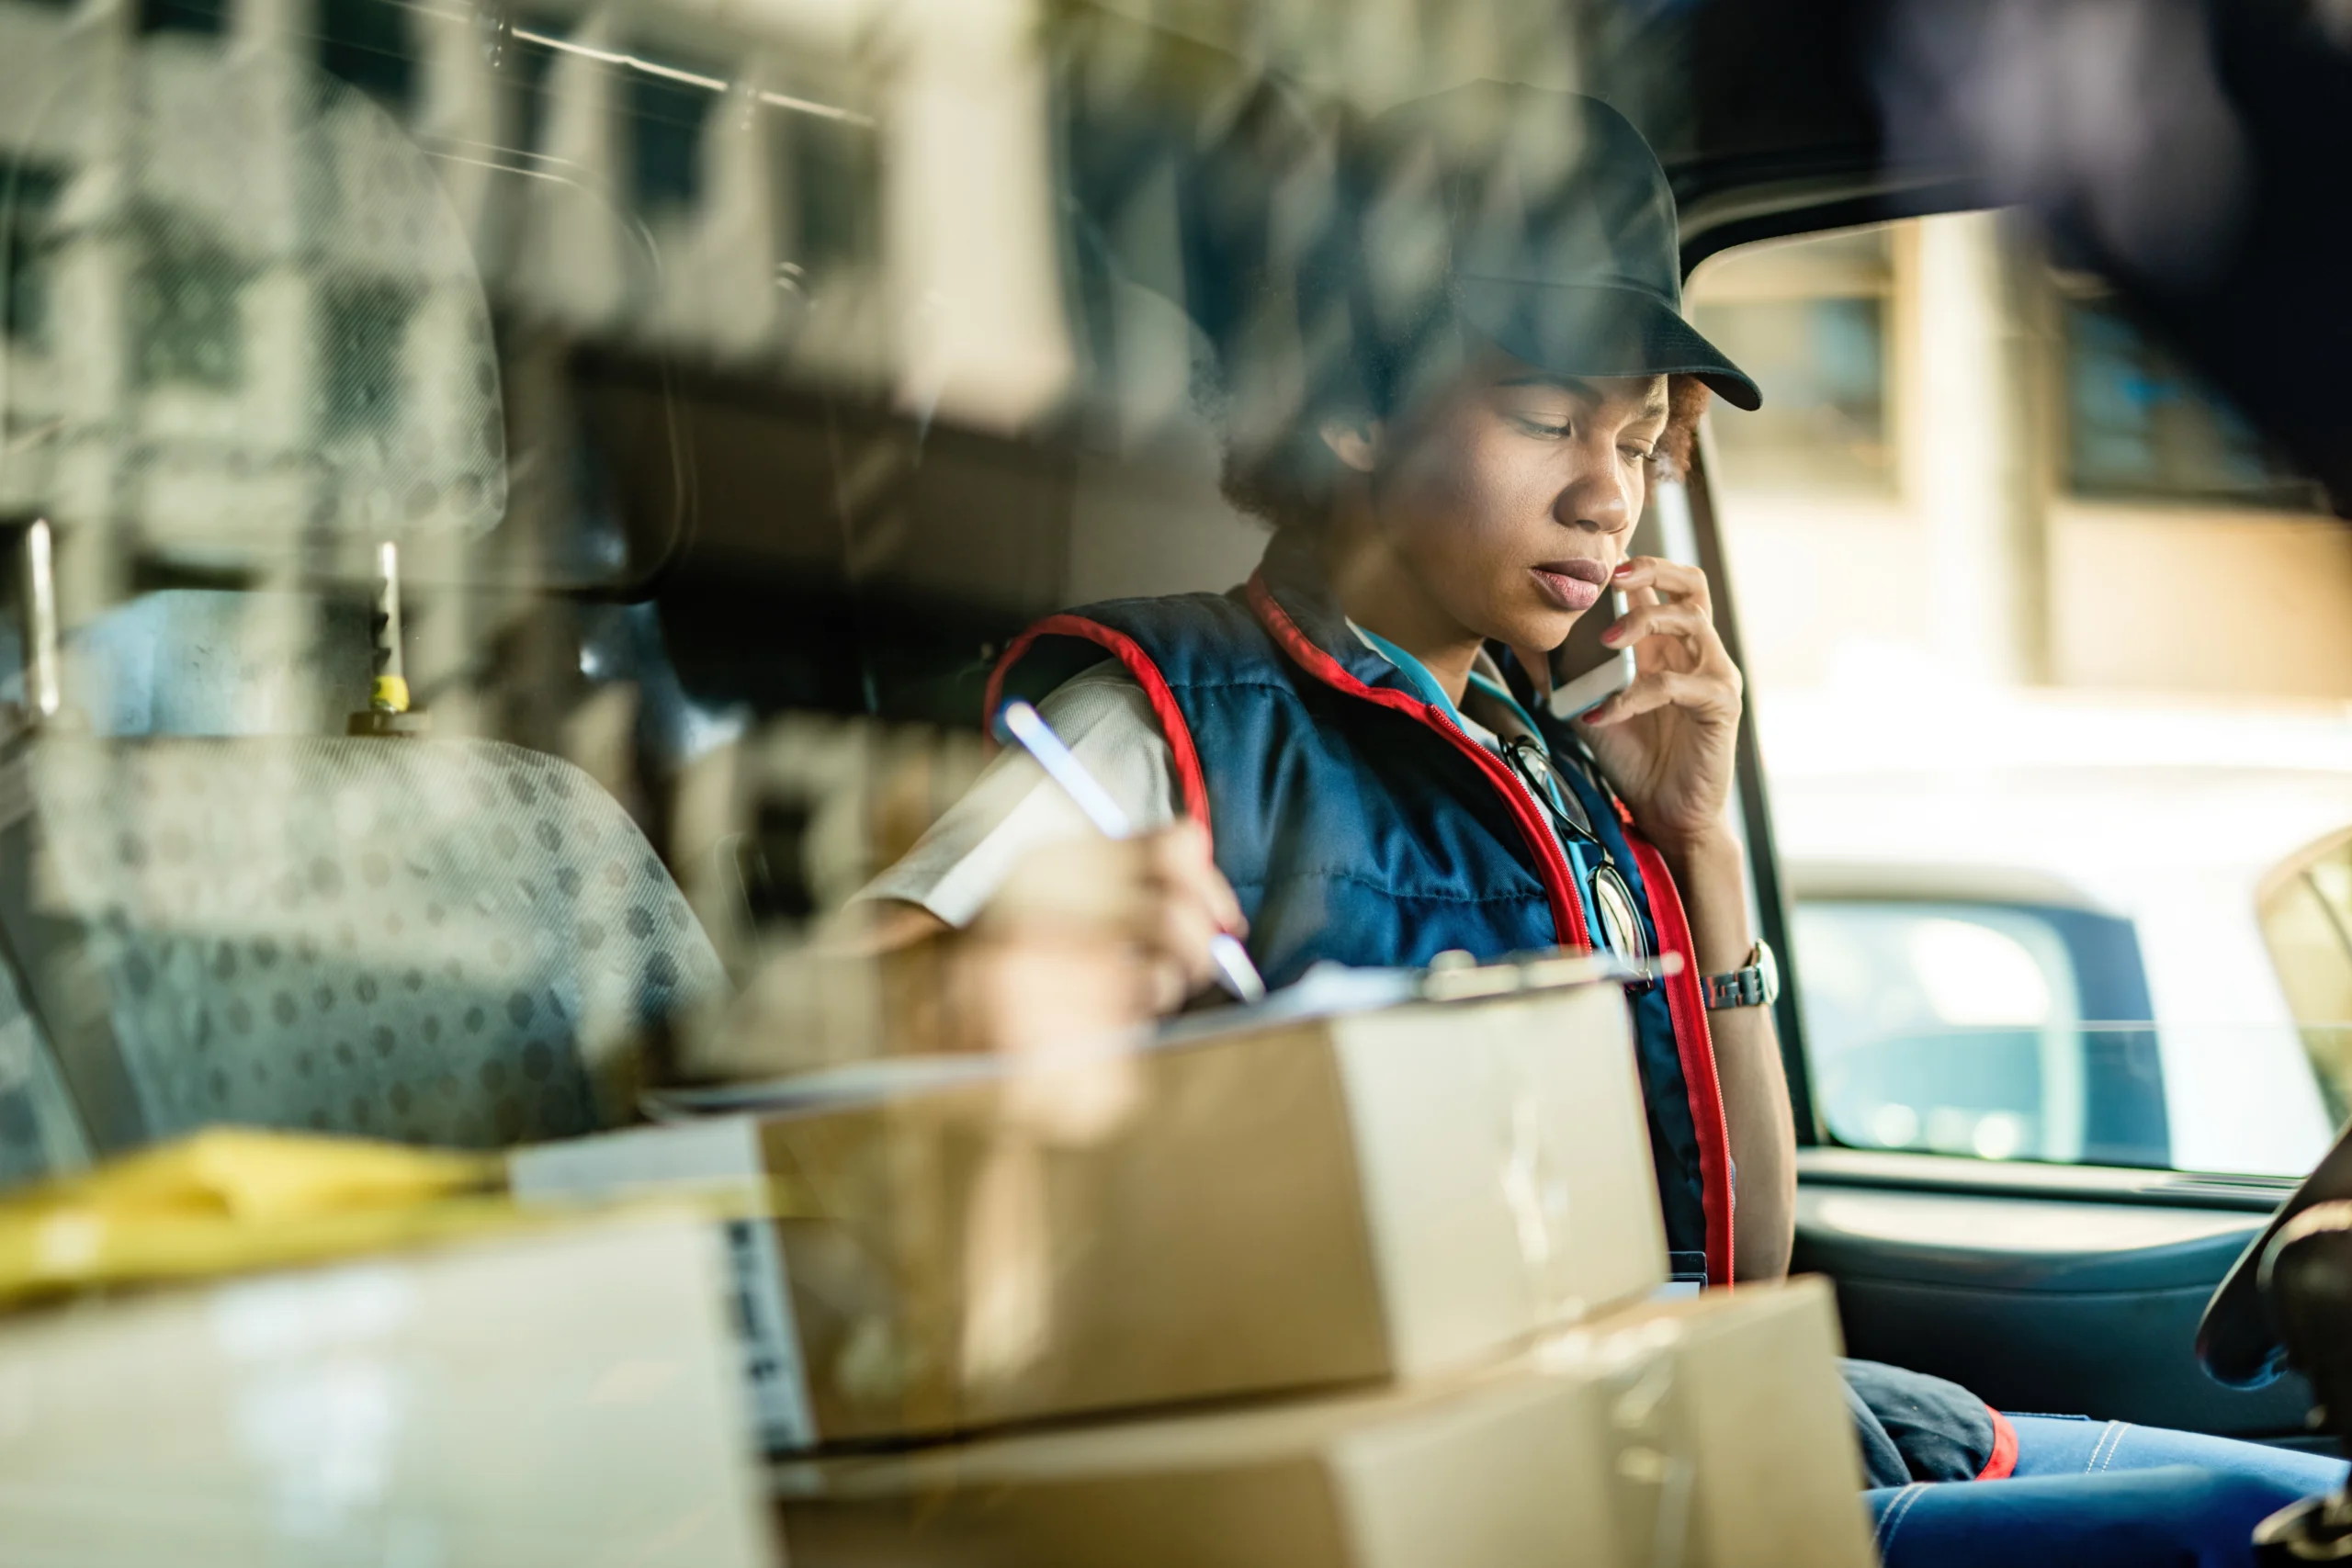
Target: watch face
1769,963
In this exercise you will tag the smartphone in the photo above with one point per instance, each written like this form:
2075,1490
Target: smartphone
1582,693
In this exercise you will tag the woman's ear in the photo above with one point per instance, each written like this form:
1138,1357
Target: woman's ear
1354,442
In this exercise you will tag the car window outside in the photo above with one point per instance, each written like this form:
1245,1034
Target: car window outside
2050,655
1980,1029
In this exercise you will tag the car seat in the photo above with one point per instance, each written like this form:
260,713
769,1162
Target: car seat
39,1134
459,942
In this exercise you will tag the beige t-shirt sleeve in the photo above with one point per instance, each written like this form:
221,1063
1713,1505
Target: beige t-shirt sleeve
1105,719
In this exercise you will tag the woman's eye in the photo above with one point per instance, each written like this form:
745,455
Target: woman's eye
1639,453
1545,428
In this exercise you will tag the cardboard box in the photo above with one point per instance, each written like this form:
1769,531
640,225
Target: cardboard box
565,1398
1708,1433
1352,1199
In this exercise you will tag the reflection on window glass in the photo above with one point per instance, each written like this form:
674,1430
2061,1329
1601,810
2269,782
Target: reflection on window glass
2141,425
27,198
39,1135
666,119
366,42
1808,320
2307,926
201,16
528,63
185,317
534,345
364,329
834,170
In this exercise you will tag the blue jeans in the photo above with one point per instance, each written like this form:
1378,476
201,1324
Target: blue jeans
2101,1495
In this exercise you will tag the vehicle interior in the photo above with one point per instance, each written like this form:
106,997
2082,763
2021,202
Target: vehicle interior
702,434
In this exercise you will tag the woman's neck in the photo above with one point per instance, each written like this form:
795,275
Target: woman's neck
1382,594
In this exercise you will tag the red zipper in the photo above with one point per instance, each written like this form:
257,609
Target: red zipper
1694,1042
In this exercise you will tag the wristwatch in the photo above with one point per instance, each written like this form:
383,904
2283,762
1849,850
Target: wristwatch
1756,983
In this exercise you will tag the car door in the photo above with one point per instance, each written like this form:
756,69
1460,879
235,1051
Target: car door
2025,995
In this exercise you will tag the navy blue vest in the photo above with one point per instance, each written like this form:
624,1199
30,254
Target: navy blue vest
1359,824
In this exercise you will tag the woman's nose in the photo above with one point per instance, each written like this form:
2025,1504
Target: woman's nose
1600,497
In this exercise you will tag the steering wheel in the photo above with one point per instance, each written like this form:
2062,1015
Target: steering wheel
2236,1341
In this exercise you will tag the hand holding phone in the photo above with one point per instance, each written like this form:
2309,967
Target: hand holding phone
1583,692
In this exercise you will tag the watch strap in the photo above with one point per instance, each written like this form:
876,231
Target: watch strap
1739,988
1755,984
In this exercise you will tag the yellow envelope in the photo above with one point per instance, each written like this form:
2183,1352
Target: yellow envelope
233,1199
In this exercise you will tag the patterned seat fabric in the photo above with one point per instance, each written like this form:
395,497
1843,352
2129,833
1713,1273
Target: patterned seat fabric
455,942
40,1135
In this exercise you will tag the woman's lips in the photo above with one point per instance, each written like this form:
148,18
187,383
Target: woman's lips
1577,593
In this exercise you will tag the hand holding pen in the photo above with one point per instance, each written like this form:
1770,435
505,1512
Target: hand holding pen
1024,723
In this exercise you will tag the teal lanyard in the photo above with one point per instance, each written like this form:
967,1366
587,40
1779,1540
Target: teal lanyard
1417,675
1504,697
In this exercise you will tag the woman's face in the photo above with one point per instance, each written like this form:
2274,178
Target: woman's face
1510,497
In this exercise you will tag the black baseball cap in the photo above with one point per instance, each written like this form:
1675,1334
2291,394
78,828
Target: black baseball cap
1546,217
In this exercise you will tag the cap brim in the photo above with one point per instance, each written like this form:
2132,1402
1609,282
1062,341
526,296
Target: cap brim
1594,330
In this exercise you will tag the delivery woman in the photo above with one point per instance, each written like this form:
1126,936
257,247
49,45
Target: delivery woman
1353,757
1358,740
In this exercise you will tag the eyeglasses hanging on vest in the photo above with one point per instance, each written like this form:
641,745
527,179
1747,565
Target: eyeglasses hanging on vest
1607,897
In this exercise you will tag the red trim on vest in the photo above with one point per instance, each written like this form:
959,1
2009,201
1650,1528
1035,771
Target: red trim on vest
1190,780
1686,1005
2003,1462
1568,915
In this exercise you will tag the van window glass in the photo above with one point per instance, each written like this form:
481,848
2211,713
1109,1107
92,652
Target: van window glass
1810,320
2049,658
1979,1029
2140,427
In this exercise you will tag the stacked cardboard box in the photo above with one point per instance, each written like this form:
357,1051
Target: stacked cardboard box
1349,1200
1366,1291
1707,1433
561,1397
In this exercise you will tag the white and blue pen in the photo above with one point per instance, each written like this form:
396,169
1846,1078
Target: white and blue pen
1027,726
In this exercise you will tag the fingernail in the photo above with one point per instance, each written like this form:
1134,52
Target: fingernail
1624,569
1613,636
